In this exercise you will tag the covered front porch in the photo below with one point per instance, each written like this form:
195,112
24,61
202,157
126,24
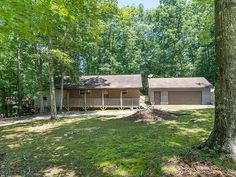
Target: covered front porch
102,99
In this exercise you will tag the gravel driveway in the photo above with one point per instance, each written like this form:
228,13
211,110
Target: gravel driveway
5,122
8,121
182,107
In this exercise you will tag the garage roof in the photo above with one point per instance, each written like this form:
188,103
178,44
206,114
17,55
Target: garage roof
184,82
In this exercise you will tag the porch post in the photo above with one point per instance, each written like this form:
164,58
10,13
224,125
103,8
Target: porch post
121,101
68,100
102,99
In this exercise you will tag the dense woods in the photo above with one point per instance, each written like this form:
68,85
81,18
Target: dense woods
40,40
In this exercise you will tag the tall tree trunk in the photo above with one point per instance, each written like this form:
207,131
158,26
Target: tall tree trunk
62,77
40,83
3,109
62,87
39,73
18,80
223,136
51,82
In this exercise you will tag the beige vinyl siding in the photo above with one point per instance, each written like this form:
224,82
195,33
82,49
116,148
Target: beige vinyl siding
97,93
73,96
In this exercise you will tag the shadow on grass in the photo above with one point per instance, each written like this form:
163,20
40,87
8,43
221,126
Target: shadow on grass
103,146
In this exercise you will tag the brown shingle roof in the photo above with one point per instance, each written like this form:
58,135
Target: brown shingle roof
108,81
188,82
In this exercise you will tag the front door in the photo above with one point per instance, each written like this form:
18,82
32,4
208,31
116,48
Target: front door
157,97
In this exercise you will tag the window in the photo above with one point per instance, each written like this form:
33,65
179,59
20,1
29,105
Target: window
124,92
45,98
105,93
87,92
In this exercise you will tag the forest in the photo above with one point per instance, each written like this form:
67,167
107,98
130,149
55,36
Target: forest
42,40
45,42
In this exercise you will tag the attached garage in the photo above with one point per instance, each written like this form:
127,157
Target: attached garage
185,97
179,91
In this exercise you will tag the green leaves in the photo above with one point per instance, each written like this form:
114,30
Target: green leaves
60,56
97,37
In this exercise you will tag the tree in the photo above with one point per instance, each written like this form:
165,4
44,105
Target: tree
65,61
223,136
38,58
16,25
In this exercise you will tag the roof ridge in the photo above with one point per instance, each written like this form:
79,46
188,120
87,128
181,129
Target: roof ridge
113,75
175,77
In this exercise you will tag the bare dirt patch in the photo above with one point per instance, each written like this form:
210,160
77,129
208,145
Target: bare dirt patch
177,167
150,115
58,171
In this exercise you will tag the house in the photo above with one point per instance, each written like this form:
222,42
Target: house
179,91
102,91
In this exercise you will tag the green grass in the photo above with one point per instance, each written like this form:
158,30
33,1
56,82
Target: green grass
103,146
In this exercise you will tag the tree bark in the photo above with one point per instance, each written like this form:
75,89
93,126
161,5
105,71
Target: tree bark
39,73
223,136
40,82
62,76
51,82
18,80
4,103
62,87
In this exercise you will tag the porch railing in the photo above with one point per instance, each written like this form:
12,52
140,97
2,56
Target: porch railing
97,102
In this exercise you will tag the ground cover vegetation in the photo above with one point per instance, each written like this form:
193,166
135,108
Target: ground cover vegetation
112,146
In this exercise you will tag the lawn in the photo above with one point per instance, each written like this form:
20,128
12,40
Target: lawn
104,146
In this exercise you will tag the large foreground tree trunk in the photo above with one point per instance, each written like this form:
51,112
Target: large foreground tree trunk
223,136
51,82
